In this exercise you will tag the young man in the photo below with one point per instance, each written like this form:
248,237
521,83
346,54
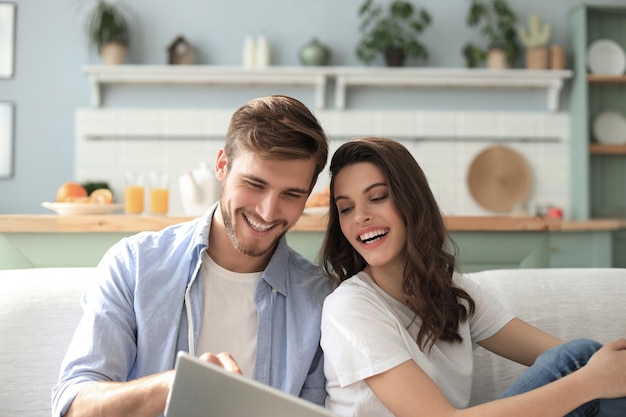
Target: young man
225,282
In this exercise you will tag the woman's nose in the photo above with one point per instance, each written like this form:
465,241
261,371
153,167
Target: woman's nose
362,217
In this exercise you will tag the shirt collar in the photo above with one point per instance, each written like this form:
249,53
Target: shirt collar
277,269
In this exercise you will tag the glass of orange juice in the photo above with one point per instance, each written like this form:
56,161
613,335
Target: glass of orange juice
134,193
159,193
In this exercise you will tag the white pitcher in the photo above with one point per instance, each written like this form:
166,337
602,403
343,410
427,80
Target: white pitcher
199,189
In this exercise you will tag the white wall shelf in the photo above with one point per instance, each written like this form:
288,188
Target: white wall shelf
318,78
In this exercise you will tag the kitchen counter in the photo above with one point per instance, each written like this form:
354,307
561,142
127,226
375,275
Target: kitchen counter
21,223
485,242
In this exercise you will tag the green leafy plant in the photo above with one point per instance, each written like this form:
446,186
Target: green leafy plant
497,24
397,27
107,23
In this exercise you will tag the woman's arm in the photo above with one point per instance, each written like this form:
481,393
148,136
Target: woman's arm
520,342
408,392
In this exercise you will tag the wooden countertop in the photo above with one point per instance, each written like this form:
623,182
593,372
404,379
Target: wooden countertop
25,223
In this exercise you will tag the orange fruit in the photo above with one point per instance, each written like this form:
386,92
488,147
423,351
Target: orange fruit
70,192
101,195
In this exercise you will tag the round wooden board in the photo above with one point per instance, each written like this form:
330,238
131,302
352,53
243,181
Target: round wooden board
499,178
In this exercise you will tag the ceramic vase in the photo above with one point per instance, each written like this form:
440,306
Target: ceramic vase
314,53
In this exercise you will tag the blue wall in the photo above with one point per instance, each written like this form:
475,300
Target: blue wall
51,47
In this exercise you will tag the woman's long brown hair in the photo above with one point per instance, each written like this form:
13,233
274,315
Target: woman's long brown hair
430,253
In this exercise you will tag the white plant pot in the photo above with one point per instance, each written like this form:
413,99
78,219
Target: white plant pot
113,53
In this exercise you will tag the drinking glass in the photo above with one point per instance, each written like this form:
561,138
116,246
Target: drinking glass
134,193
159,192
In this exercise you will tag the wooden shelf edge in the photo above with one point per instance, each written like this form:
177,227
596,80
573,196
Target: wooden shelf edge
597,149
608,79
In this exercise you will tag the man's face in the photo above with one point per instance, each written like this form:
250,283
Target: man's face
261,199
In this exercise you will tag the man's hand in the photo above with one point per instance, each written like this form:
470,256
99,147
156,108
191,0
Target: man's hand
224,359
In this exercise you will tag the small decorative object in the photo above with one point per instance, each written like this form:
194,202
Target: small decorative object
497,22
180,52
557,57
398,28
535,39
249,52
107,29
314,53
7,39
262,56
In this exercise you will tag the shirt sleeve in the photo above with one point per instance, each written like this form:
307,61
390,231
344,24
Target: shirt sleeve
490,316
103,347
360,336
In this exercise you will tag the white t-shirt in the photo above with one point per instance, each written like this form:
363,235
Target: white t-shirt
365,332
229,315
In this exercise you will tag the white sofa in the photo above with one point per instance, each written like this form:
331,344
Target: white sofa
39,309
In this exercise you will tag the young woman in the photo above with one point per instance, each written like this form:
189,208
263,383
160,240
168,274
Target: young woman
397,333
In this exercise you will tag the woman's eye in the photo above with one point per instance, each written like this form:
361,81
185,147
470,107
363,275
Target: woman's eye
379,198
343,210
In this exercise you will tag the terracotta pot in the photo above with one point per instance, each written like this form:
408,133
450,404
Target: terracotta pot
496,59
557,57
537,57
395,57
113,53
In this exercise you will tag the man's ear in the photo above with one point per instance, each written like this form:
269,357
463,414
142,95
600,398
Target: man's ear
221,165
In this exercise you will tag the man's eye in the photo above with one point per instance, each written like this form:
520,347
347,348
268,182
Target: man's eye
294,196
255,185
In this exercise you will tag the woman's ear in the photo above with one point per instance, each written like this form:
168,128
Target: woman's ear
221,165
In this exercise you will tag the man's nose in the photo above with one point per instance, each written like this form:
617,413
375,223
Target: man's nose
268,207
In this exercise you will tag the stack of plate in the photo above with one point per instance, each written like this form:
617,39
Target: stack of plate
605,56
609,127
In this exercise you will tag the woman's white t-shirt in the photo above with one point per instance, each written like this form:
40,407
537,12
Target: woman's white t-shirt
365,332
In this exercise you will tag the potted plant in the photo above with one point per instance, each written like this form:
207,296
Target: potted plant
107,29
394,32
535,39
497,22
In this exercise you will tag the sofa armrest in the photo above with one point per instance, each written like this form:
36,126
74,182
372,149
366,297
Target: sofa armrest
39,311
566,302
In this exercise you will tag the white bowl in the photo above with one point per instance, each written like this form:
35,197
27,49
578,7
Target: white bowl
81,208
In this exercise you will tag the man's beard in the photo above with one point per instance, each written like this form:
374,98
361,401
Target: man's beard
230,230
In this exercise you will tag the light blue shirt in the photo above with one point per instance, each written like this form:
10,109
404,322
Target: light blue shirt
149,295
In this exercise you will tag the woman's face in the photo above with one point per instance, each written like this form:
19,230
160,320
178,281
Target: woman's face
367,215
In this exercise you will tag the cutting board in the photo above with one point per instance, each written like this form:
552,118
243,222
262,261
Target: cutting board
499,178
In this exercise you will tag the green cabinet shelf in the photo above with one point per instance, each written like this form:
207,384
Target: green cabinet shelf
598,170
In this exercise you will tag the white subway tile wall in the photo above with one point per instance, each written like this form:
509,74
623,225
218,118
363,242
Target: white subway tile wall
110,142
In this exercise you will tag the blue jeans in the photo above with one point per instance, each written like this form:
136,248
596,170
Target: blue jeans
560,361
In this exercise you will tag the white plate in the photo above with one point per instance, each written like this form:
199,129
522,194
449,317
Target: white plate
312,211
609,127
81,208
605,56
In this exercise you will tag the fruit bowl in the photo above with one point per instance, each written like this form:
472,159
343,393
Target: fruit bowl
82,208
